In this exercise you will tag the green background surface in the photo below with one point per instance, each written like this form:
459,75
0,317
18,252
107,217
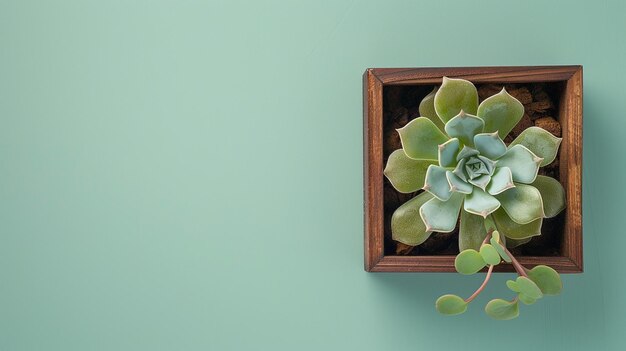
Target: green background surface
187,175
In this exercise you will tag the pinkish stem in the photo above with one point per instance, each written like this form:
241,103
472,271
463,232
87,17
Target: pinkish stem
482,286
521,270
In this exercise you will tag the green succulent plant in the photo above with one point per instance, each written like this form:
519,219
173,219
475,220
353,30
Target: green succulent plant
455,152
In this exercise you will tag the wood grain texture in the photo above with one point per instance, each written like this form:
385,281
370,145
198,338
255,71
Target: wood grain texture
475,74
570,117
373,169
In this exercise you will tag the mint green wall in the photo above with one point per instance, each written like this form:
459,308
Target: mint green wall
187,175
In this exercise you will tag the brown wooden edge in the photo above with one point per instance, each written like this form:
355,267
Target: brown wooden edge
571,160
373,176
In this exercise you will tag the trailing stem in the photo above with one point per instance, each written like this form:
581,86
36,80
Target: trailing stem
482,286
490,226
488,236
489,271
521,270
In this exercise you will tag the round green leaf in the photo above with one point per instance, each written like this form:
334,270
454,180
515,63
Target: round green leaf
552,194
511,284
501,112
469,262
453,96
541,142
450,305
547,279
495,235
489,254
527,300
528,288
407,226
495,242
502,309
421,138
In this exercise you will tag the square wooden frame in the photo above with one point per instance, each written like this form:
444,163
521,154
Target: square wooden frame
570,117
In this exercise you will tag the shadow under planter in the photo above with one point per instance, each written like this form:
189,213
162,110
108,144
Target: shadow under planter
552,99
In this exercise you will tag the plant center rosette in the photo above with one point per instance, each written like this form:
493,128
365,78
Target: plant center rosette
456,153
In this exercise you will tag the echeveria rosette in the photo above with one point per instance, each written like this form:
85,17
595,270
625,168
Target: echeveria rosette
456,153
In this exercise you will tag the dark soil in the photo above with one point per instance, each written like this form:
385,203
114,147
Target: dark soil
541,102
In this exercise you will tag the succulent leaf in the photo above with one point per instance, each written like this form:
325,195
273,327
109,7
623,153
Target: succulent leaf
448,152
457,184
480,203
523,163
541,142
501,180
489,254
427,109
436,182
466,153
407,226
547,279
501,112
502,310
421,138
441,216
406,174
491,225
481,181
476,166
514,230
523,203
490,145
513,243
469,262
459,170
552,193
489,164
450,305
471,231
464,127
453,96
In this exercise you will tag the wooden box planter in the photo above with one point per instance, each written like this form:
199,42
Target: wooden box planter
565,83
